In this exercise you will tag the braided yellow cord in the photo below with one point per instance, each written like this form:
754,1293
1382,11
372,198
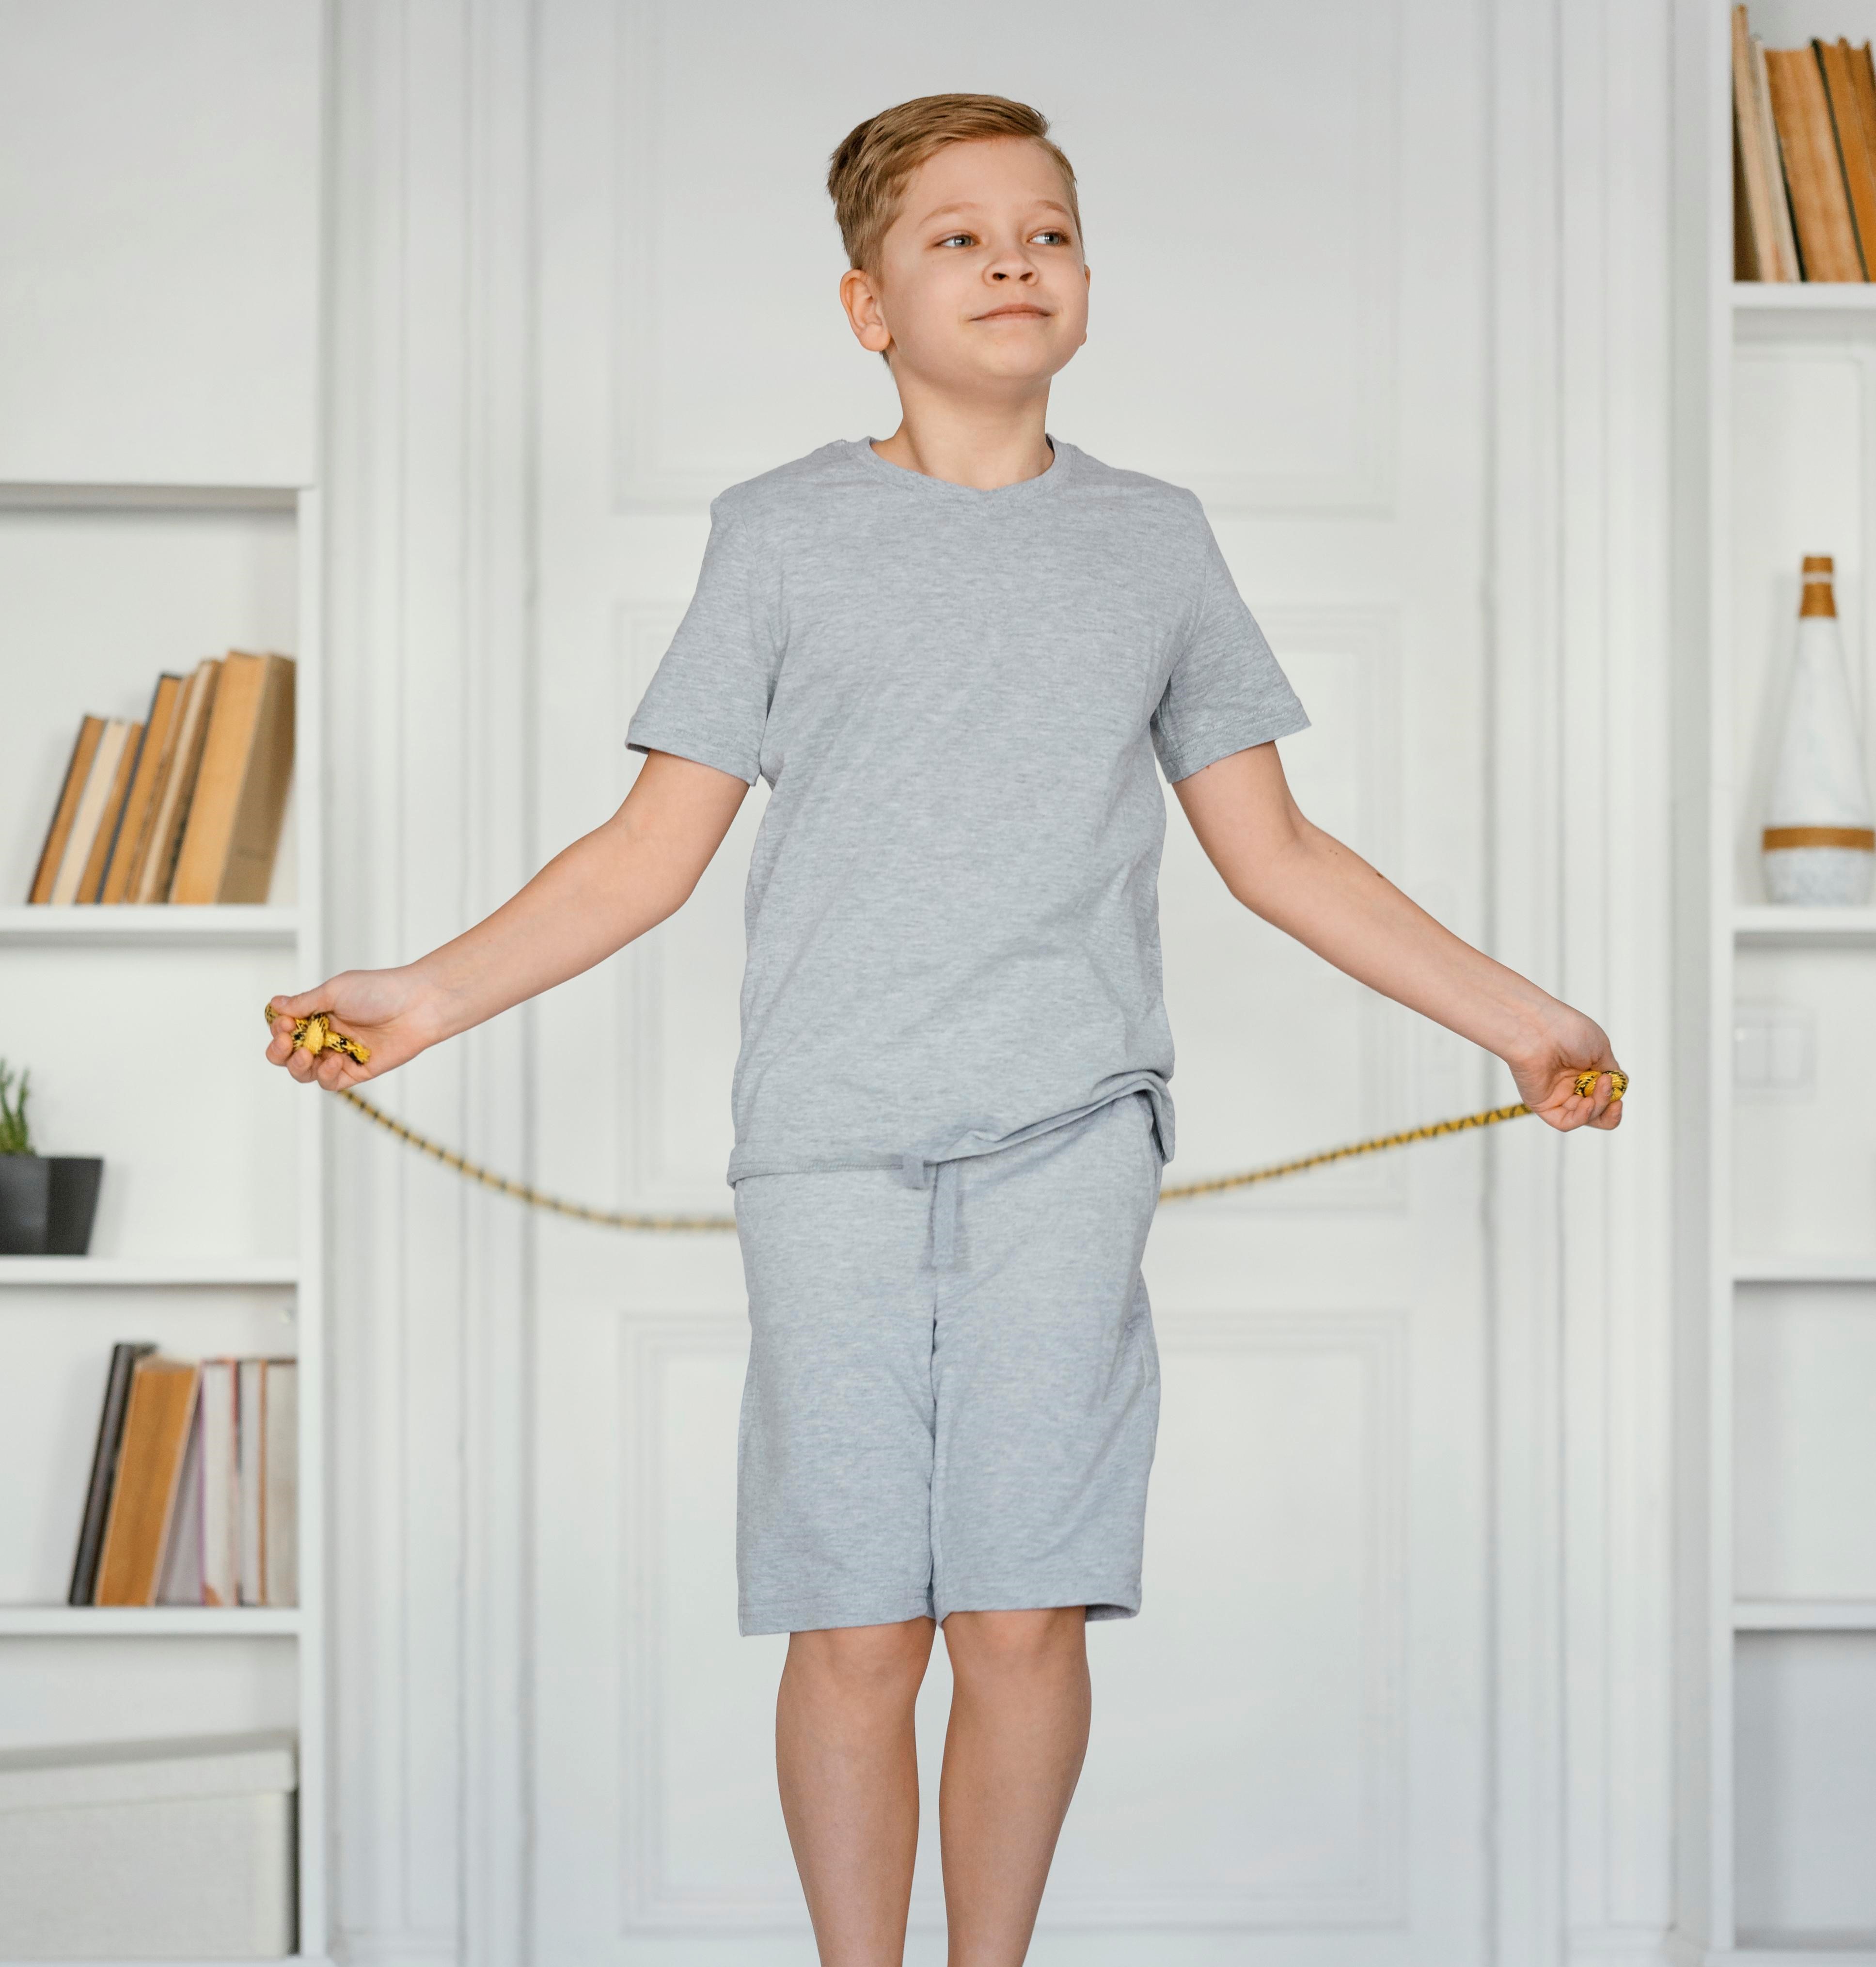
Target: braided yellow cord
315,1034
535,1198
1183,1191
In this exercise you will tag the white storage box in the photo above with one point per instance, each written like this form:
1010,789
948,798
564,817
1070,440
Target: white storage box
148,1850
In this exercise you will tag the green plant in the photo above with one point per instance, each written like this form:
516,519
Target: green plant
15,1136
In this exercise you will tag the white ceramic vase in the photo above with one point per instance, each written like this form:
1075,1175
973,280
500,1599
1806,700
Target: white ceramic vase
1819,844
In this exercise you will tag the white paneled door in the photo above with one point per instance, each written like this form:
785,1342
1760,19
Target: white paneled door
1285,210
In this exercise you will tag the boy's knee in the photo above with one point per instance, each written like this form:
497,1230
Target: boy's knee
863,1660
1015,1643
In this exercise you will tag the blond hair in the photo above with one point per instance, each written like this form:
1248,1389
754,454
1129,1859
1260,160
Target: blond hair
868,175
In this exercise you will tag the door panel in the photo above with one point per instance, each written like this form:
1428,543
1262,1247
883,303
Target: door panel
1289,258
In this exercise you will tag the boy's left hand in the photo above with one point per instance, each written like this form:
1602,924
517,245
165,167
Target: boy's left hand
1547,1076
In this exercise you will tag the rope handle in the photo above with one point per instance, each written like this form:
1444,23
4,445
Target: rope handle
315,1034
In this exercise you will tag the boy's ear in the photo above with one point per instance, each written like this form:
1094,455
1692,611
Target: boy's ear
859,296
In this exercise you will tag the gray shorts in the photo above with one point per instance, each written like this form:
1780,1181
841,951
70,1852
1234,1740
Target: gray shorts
952,1392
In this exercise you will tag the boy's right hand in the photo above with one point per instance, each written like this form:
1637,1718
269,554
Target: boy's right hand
388,1011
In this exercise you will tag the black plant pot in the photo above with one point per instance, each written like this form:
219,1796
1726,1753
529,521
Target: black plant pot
48,1203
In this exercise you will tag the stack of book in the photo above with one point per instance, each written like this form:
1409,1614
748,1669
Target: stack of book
185,806
1803,160
192,1500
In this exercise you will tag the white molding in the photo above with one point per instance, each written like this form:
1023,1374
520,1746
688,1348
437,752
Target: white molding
651,1340
430,451
397,1950
1378,1895
1618,1946
1581,813
1363,483
648,1342
1528,1831
501,414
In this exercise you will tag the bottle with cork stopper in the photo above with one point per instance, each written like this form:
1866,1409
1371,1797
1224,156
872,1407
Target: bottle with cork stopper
1819,844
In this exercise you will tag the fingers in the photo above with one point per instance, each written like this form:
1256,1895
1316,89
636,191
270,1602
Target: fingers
337,1071
1605,1107
1567,1109
325,1068
330,1069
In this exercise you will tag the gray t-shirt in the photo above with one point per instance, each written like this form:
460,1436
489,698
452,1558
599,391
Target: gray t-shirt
955,697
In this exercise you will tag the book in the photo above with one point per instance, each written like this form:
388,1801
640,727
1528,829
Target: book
153,759
250,1424
180,1581
1755,174
220,1569
280,1470
178,785
1863,86
104,1469
1784,236
156,1431
91,881
1863,91
240,792
1820,203
77,770
89,817
1836,64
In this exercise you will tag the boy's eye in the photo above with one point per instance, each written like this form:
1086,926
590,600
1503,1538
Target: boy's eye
950,236
1049,232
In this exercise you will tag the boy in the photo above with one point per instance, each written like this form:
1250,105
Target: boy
954,656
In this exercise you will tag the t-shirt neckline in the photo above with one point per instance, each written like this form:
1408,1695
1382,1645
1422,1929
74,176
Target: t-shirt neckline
923,483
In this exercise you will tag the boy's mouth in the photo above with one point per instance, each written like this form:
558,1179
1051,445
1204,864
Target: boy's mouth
1014,307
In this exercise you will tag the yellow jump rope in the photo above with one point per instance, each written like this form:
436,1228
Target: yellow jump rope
315,1035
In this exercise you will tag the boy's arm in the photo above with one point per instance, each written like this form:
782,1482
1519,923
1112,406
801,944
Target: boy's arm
1309,885
589,900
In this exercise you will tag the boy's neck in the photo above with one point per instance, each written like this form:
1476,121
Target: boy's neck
982,445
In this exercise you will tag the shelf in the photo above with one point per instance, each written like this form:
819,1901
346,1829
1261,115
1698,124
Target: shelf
1805,928
94,1622
1801,1270
1804,1615
1823,311
17,495
1804,296
110,1272
71,926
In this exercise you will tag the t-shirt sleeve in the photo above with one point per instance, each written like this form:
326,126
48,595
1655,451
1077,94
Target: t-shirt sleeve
709,700
1226,692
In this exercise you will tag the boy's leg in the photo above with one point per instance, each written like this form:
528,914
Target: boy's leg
848,1767
1018,1731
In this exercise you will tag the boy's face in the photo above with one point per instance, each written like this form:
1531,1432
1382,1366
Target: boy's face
981,282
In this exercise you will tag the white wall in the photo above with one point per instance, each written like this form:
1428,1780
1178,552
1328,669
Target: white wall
432,437
159,241
162,359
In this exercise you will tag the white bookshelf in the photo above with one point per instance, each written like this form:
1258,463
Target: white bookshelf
143,1029
1776,1284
